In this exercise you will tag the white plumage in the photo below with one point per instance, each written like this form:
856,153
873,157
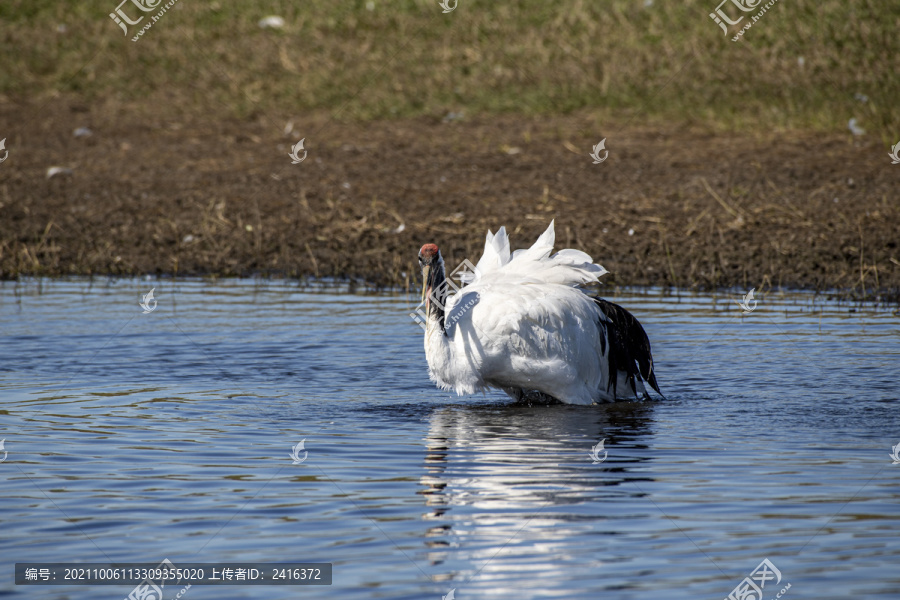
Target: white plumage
523,323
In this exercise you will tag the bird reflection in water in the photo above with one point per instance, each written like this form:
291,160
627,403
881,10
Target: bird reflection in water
493,471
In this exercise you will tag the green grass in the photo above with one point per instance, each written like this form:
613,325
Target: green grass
616,58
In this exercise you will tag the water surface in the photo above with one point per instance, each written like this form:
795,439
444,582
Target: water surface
137,437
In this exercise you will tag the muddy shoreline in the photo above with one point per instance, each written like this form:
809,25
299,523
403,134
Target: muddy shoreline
668,207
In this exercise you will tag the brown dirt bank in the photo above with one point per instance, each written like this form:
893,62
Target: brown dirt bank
162,195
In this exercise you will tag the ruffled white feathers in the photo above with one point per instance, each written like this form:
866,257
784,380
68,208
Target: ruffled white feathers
566,267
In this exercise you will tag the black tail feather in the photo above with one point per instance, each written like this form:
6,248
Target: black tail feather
629,349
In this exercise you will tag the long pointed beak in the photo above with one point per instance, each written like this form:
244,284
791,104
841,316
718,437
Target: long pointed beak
426,271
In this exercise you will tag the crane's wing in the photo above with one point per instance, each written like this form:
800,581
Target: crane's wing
629,346
496,255
510,334
533,265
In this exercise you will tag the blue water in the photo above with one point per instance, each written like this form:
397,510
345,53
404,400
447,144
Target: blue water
138,437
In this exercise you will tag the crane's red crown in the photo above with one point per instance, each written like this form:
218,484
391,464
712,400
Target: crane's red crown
428,251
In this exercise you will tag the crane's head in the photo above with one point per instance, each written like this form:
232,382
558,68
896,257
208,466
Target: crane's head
432,264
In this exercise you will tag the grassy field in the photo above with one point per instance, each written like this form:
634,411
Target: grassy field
804,65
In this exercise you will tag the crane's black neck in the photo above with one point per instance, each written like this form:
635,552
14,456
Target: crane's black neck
436,293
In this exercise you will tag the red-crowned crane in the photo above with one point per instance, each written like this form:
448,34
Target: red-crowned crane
524,323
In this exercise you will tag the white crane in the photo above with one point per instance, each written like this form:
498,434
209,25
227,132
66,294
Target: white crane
524,323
